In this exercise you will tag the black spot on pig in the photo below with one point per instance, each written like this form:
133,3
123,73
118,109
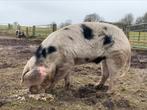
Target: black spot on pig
87,59
38,52
51,49
98,59
66,28
105,28
70,38
44,54
87,32
107,40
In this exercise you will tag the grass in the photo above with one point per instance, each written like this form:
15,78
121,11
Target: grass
40,32
138,39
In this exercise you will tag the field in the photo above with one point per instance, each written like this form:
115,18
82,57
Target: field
30,32
138,39
130,90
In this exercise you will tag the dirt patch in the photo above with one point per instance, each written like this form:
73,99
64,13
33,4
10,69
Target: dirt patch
139,59
14,51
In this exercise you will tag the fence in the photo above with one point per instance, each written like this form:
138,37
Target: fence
30,31
137,35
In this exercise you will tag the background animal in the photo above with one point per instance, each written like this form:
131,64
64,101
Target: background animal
20,34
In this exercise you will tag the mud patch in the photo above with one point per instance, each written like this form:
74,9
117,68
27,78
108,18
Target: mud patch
122,103
3,102
86,91
109,104
139,59
6,65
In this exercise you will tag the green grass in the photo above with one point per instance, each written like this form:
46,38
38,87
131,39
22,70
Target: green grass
40,32
3,27
138,39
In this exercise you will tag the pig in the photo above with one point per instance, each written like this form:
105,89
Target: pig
20,34
88,42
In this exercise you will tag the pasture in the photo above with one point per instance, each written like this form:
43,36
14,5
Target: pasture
138,39
40,31
130,90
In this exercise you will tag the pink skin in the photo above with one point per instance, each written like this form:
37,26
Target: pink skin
35,88
42,71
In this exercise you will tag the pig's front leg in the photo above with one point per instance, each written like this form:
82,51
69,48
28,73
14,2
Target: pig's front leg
67,80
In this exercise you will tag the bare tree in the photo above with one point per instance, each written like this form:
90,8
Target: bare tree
142,19
53,25
145,18
139,20
92,18
128,19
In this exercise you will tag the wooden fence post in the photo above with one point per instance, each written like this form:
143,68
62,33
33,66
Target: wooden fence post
27,31
33,30
54,27
127,31
9,26
139,36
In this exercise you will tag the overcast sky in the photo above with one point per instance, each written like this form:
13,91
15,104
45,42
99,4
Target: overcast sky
29,12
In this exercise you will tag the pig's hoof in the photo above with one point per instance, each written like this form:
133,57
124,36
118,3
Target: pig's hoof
101,87
33,90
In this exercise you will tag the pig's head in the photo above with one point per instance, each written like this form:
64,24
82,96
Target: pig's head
43,72
40,76
34,77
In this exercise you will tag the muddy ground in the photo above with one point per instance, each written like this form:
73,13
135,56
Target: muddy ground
130,91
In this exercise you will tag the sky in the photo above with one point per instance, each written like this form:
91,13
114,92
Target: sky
41,12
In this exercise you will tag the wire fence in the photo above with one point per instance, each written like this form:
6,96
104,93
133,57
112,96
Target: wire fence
137,35
41,31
